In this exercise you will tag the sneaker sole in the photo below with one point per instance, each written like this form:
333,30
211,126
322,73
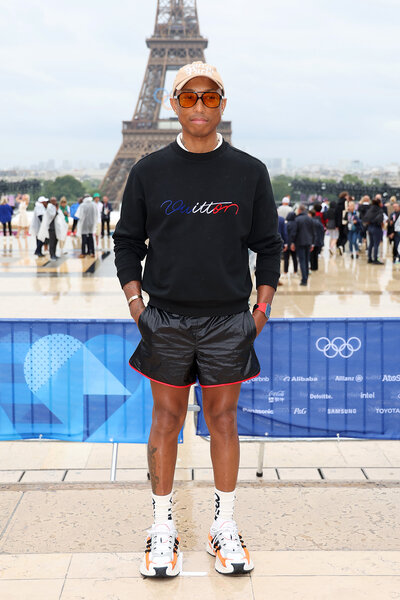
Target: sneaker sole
233,568
160,572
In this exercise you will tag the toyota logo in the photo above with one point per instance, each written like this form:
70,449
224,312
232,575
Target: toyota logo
338,346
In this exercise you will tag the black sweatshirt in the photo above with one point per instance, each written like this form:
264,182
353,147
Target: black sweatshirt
201,212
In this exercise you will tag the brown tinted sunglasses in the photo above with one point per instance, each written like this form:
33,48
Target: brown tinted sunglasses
189,99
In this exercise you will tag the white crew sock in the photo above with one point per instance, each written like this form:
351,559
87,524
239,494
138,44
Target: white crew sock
224,507
162,508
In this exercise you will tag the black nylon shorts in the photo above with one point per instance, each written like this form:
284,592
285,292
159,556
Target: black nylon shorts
176,349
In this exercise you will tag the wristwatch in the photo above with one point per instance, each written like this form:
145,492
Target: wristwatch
264,307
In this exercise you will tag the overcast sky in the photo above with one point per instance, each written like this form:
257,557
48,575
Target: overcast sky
311,80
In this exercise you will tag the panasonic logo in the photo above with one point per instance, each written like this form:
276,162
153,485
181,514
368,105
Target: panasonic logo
259,411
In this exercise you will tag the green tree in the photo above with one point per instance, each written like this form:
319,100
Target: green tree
67,185
281,187
91,185
350,178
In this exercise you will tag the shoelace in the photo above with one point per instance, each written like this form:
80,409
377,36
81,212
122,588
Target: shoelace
228,538
161,542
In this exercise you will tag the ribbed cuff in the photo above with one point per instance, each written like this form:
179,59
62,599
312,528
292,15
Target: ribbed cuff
267,278
127,275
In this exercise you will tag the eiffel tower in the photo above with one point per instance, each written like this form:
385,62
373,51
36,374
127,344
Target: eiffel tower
176,41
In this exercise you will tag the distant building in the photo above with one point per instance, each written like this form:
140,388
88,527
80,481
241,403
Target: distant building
351,166
279,166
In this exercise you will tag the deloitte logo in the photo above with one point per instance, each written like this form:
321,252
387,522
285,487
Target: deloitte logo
338,346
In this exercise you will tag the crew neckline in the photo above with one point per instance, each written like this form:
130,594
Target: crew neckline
199,156
179,139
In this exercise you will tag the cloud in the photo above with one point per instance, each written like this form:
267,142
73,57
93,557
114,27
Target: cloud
298,75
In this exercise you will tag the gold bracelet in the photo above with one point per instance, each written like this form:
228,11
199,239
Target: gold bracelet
135,297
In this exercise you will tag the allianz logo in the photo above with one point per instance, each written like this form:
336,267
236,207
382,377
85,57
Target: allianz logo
387,377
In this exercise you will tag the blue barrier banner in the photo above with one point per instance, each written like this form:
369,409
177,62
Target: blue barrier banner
323,377
70,380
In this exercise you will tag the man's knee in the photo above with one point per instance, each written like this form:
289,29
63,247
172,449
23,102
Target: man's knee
168,421
222,422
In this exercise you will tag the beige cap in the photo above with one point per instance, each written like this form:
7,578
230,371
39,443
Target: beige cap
196,69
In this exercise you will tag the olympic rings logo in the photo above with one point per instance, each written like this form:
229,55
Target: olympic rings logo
162,96
338,346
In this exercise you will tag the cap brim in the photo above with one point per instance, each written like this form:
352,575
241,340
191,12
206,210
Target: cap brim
185,81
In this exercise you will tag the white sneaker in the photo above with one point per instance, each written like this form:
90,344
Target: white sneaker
226,544
161,557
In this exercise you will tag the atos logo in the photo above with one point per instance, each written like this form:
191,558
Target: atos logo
338,346
387,377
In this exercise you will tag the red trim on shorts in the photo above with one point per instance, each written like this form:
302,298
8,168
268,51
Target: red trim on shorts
233,382
163,382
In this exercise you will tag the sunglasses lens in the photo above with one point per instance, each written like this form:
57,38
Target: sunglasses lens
212,100
187,99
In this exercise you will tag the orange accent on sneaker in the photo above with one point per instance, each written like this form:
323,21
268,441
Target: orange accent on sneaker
173,561
221,558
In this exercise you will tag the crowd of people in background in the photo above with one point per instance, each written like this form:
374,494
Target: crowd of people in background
361,226
8,206
303,227
53,220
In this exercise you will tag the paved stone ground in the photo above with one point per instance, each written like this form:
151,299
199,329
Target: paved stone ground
323,523
308,540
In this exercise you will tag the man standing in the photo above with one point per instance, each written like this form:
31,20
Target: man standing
394,230
38,212
47,229
341,208
105,216
304,240
282,230
284,209
374,220
73,211
87,214
201,204
99,205
319,237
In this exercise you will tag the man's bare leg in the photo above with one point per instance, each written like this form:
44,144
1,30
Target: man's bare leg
169,412
224,541
220,413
